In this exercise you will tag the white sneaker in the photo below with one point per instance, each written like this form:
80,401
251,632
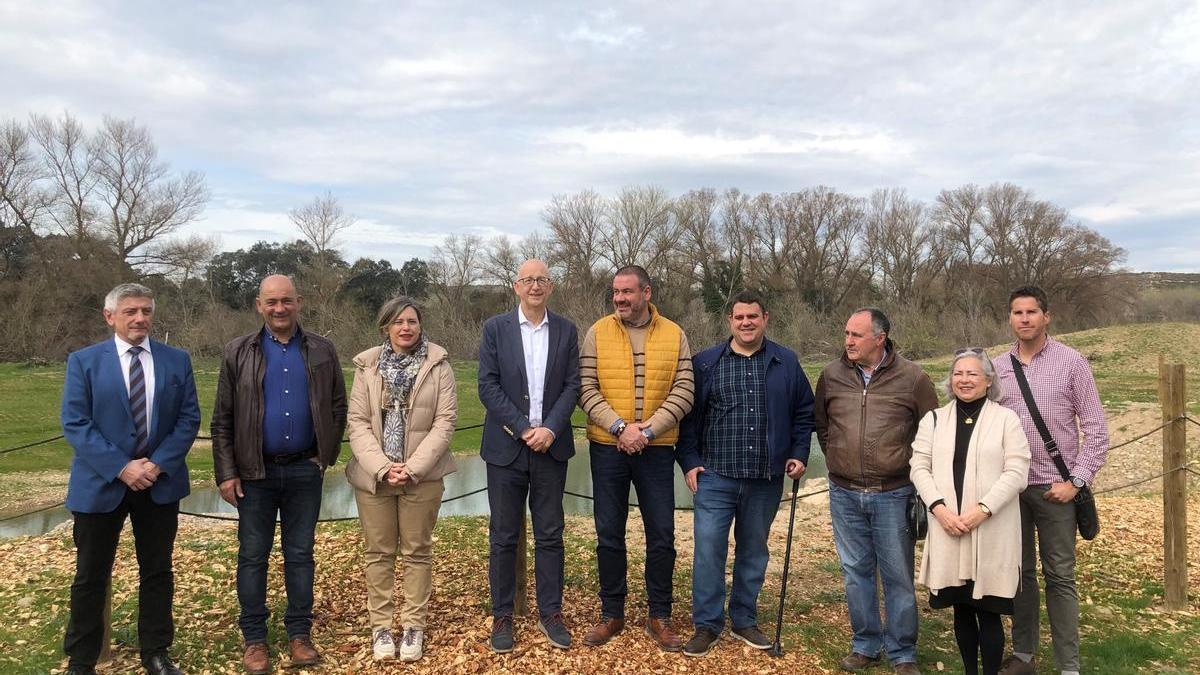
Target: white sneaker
382,645
412,645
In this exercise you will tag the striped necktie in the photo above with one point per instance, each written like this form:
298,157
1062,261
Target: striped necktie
137,400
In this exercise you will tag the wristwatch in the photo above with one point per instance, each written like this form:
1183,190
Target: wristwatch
983,507
1078,483
620,428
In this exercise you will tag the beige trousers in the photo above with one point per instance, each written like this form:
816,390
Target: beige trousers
399,519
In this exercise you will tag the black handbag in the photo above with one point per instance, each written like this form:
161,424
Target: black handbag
918,517
916,513
1086,517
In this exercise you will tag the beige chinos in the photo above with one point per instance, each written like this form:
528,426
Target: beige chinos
399,519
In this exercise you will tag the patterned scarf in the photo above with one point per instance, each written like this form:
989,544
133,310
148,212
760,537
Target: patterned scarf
399,371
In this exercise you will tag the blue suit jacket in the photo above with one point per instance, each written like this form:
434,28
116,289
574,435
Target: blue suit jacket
789,408
98,424
504,388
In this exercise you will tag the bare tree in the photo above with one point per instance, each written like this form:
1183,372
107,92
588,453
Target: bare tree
456,266
500,260
824,228
321,221
902,247
959,214
23,202
576,224
640,229
68,164
536,245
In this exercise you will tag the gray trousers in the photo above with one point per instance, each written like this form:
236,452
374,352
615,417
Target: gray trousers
1055,524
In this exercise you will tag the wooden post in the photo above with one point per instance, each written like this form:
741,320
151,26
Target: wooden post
106,643
1175,548
519,604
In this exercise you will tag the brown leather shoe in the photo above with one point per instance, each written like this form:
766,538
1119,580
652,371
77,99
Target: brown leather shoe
604,631
858,662
303,651
660,630
256,659
907,668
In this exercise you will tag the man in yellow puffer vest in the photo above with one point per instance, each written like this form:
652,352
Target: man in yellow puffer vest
635,371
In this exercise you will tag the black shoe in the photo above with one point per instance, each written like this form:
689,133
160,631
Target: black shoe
160,664
701,642
555,630
502,634
752,636
80,670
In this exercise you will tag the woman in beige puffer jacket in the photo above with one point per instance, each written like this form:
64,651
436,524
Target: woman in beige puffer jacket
402,413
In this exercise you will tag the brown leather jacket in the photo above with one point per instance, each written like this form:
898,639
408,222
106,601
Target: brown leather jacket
866,432
237,415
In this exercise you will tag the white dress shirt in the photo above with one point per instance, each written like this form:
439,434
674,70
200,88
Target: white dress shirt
535,341
147,371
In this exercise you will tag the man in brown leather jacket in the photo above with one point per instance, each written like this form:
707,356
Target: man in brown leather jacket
868,405
278,422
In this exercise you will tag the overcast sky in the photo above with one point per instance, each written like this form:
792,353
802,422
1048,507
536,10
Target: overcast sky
426,118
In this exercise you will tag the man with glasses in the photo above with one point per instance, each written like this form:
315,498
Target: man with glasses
868,405
528,384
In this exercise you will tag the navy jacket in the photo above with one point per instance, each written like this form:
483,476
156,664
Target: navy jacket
504,390
98,424
789,408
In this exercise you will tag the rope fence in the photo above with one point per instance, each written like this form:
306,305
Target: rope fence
1188,468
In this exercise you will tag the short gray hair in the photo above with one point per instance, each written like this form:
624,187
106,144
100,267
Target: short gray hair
116,295
995,390
880,325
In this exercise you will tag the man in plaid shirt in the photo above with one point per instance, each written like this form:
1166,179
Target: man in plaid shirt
1065,393
751,424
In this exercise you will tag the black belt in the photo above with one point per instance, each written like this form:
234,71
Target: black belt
291,458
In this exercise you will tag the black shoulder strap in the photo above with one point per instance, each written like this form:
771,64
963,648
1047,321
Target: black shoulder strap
1051,445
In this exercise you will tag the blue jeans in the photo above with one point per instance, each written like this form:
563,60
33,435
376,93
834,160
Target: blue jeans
750,505
871,533
652,473
294,491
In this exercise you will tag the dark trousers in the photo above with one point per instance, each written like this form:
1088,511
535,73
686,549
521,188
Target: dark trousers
652,474
294,492
96,536
541,478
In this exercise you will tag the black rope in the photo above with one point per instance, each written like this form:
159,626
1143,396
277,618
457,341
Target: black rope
30,445
1138,438
215,516
1185,467
1189,418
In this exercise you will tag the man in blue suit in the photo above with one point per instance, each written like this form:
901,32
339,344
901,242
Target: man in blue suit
129,412
529,385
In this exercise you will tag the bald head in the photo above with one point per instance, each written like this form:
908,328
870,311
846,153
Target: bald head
279,304
276,282
533,288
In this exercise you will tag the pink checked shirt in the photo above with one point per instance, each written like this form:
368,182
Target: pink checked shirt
1065,392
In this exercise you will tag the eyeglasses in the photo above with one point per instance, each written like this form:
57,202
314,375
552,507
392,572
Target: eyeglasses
531,281
969,350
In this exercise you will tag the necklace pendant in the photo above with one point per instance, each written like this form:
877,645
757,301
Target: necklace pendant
969,421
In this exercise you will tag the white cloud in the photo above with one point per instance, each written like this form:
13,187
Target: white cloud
672,143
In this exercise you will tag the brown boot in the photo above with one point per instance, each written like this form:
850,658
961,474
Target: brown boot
660,630
604,631
303,651
256,660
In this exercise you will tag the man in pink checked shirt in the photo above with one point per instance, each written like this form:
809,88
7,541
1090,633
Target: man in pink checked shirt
1065,393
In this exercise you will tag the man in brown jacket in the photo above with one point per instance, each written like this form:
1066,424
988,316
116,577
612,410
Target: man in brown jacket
868,405
278,422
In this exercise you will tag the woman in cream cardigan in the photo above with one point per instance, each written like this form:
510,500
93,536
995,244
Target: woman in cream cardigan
970,461
401,417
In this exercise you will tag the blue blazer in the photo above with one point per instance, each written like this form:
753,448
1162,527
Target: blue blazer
789,408
98,424
504,388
